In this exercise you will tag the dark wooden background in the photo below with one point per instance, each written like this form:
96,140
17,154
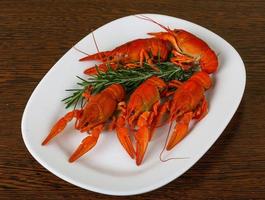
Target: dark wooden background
35,34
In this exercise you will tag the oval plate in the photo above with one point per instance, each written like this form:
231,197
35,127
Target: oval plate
107,168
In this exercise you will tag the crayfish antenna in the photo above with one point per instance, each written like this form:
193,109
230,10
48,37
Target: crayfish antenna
164,147
80,50
155,22
95,42
169,35
98,56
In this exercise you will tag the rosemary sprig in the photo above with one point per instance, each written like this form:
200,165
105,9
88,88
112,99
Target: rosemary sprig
130,79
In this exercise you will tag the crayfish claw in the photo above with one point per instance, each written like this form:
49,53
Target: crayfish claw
123,132
142,139
88,143
123,135
180,131
60,125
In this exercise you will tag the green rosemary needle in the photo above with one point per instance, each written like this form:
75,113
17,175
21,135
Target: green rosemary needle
129,78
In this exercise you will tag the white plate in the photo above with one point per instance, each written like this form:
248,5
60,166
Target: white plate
107,168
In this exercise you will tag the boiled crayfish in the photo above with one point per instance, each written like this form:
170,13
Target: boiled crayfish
141,111
134,51
188,48
188,102
184,47
95,114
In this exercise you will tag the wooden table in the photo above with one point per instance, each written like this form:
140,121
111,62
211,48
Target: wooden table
35,34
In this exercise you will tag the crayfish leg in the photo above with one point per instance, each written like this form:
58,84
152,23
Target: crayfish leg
182,60
144,56
61,124
88,143
166,36
175,84
202,110
161,118
180,130
112,124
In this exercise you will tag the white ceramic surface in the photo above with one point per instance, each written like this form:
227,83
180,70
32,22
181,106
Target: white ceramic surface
107,168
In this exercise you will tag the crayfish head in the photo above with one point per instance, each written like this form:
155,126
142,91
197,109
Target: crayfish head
90,117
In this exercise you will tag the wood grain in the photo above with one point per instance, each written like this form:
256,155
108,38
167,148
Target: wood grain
35,34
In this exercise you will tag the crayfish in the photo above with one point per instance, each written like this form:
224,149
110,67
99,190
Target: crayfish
92,118
184,47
